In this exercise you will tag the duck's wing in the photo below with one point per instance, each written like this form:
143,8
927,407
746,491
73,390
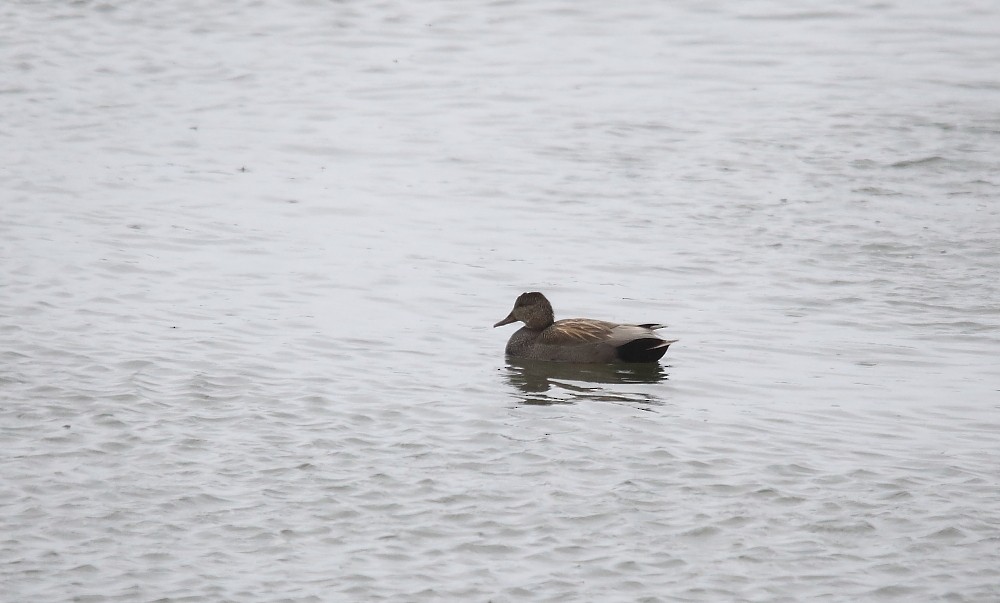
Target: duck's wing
622,334
577,331
572,331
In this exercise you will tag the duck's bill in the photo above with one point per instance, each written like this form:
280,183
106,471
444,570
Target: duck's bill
510,318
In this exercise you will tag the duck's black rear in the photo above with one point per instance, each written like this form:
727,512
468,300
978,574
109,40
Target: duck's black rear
647,349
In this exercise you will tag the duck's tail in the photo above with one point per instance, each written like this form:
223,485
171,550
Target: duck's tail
645,349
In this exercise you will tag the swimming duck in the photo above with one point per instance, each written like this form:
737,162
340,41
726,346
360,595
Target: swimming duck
578,339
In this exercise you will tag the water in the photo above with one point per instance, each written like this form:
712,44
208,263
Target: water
250,254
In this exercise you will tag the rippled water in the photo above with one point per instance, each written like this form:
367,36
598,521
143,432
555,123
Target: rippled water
250,253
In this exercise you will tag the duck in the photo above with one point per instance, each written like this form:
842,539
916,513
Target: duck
580,340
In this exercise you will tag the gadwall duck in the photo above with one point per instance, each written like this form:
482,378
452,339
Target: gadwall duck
578,339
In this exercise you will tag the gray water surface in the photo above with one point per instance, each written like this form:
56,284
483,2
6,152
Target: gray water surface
250,253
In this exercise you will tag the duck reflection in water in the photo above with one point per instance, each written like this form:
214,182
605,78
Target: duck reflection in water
541,382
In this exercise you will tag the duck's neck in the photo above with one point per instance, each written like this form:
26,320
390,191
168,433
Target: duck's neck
540,321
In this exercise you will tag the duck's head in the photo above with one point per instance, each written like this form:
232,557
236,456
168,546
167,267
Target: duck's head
532,309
